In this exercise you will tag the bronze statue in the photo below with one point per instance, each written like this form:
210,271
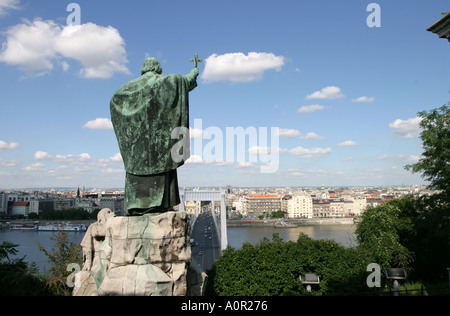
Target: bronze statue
144,113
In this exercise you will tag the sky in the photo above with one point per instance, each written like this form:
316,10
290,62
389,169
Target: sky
327,91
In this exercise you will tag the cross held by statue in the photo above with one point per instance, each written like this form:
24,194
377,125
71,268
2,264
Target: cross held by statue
196,61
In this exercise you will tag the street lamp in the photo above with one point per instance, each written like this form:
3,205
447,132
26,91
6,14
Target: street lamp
395,274
309,279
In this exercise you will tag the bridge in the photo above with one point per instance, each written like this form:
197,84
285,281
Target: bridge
208,225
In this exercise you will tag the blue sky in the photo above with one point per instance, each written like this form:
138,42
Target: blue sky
344,95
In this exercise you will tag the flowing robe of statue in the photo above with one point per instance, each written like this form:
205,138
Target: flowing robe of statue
144,113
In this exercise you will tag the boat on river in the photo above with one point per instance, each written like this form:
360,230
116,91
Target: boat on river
23,227
64,227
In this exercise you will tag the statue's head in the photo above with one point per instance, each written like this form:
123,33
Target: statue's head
151,64
102,218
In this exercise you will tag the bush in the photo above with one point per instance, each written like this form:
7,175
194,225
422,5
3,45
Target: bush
18,277
63,254
272,268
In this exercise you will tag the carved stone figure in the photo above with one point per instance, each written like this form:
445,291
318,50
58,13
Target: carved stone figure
94,237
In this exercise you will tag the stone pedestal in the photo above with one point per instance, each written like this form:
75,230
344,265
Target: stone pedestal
144,255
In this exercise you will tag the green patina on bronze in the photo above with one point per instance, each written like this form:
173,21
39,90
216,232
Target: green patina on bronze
144,113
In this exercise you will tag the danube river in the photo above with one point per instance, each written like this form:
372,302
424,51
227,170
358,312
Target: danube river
29,241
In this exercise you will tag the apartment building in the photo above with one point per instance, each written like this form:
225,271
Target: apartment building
300,206
265,204
321,208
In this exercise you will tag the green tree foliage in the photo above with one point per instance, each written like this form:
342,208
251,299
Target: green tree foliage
273,268
278,214
431,238
435,162
18,278
380,233
411,233
63,254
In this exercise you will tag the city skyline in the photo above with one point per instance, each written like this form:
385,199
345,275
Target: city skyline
343,94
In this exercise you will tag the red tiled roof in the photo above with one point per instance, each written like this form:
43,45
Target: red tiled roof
20,203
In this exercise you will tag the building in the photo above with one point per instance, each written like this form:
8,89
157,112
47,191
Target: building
359,206
374,201
262,205
337,208
321,208
300,206
3,203
20,208
115,204
34,206
190,206
64,204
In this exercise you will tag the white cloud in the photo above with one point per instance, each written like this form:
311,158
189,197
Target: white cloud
195,159
244,164
8,163
260,150
39,155
310,108
110,170
409,128
71,159
75,159
4,146
347,143
99,123
38,166
6,5
291,133
363,99
328,93
36,46
286,132
410,158
311,135
238,67
197,133
309,152
99,49
116,158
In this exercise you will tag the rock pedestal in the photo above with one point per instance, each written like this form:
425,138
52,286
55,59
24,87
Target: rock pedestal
144,255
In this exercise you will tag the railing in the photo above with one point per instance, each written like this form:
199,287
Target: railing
412,291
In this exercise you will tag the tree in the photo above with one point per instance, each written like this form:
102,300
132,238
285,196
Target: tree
435,162
382,230
63,254
410,232
272,268
18,278
278,214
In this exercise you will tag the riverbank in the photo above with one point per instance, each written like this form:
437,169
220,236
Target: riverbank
26,223
287,223
280,223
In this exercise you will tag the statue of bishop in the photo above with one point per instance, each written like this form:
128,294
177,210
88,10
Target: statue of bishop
145,112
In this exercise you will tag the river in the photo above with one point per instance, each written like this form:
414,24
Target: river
29,241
